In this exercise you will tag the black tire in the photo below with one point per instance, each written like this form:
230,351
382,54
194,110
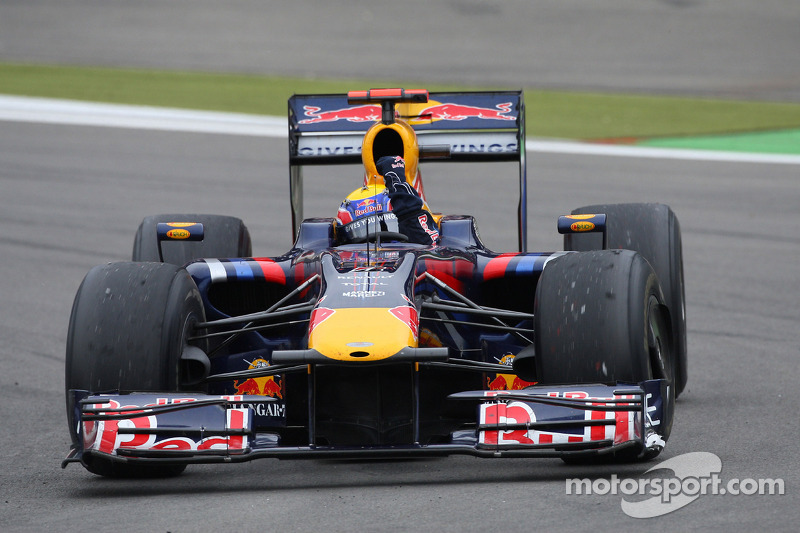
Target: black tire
127,331
225,236
600,317
652,230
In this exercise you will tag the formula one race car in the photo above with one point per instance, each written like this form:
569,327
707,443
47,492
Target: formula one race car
356,343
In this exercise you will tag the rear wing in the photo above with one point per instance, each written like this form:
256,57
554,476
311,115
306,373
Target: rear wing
477,126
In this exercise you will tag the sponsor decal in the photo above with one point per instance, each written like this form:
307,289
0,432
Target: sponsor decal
367,206
333,149
262,386
493,148
399,162
429,338
181,230
423,222
623,429
507,413
354,279
507,381
361,113
178,234
582,226
267,409
236,419
318,316
374,221
105,436
415,113
363,294
337,148
407,315
458,112
570,395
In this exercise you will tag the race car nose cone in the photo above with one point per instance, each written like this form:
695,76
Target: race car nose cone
361,334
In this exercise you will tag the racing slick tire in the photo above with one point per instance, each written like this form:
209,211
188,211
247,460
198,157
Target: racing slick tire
225,236
652,230
128,329
600,317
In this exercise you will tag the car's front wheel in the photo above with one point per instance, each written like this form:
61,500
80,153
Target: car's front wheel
600,317
653,231
128,332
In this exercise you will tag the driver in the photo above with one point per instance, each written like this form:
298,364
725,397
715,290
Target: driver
397,208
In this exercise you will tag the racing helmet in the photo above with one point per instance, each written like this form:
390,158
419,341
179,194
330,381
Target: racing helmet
365,211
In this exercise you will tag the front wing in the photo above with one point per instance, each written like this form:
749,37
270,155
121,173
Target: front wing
539,421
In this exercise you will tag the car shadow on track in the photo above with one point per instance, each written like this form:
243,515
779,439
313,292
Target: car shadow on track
360,474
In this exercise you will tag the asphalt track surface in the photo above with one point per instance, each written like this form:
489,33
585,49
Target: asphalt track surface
71,197
731,48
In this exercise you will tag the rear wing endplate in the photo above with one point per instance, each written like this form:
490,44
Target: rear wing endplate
477,126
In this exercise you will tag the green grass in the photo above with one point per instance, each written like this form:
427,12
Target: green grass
768,142
557,114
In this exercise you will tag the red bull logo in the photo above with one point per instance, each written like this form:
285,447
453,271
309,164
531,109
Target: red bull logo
451,111
366,206
507,381
262,386
407,314
429,338
416,113
361,113
318,316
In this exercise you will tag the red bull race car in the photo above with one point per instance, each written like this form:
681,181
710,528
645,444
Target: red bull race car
357,342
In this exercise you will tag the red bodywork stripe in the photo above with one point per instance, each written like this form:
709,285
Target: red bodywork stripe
496,268
272,270
598,432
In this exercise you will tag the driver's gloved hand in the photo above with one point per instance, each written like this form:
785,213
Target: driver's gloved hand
393,170
414,222
405,200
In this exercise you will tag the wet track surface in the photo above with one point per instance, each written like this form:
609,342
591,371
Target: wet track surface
71,198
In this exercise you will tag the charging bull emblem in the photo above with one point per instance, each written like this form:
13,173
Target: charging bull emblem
507,381
262,386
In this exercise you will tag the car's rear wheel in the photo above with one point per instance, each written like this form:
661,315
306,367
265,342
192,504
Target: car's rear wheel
600,317
128,332
652,230
225,236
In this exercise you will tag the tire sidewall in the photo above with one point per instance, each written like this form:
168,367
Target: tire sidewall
183,309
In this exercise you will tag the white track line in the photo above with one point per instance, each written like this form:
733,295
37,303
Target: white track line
561,147
52,111
49,111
